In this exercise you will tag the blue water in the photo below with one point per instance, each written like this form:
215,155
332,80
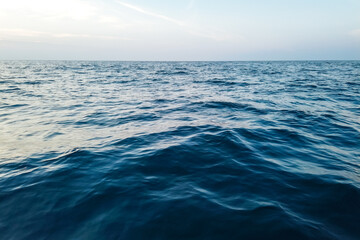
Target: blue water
179,150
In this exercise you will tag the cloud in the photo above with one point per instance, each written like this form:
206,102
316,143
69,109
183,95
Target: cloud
92,36
45,21
149,13
80,19
22,35
37,36
7,33
209,34
73,9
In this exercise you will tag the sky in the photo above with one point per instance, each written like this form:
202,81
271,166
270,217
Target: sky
161,30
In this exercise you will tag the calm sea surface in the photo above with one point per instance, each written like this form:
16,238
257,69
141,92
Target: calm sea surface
179,150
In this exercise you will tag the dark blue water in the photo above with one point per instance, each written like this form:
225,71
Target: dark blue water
179,150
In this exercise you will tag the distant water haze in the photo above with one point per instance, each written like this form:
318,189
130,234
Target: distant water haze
180,30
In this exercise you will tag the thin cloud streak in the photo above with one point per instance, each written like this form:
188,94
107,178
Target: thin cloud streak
11,34
90,36
191,30
16,32
149,13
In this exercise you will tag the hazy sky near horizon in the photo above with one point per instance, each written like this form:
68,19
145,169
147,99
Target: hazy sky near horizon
180,29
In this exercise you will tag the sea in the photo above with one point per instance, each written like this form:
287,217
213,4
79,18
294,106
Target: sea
179,150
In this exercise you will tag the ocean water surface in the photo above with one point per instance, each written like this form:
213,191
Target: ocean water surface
179,150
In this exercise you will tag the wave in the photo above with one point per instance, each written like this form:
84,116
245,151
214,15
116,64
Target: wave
197,150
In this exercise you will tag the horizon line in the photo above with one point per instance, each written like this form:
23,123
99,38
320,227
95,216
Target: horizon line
107,60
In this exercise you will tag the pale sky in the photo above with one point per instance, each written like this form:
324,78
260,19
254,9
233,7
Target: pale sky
180,29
